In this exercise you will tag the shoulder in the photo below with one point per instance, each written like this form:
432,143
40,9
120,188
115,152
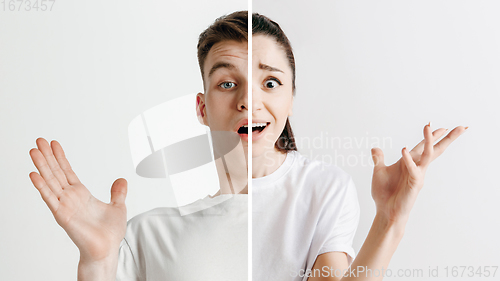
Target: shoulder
162,211
327,190
167,215
150,219
195,213
319,185
318,173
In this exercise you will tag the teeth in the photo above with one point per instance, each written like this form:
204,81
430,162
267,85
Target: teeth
256,125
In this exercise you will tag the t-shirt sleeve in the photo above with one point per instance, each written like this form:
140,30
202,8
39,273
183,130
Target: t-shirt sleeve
127,269
341,235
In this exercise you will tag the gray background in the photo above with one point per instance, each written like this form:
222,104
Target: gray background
80,74
384,69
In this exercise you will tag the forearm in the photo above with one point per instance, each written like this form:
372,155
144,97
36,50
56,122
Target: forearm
377,250
104,270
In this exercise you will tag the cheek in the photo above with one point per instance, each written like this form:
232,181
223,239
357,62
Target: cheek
218,100
280,106
217,107
280,114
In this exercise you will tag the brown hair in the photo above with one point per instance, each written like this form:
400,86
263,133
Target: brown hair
229,27
235,27
265,26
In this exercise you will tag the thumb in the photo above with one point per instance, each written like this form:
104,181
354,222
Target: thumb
378,157
119,191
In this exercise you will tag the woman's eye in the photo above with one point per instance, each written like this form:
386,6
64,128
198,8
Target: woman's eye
227,85
272,83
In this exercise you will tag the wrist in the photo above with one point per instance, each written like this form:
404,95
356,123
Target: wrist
103,269
384,224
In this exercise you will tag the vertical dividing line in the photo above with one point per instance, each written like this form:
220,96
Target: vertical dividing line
249,83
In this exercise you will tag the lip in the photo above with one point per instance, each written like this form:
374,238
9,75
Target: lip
255,135
241,123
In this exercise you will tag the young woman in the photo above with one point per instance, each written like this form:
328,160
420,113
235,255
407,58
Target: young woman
305,213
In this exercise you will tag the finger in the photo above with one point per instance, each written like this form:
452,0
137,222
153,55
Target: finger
44,147
378,157
409,163
119,191
441,146
45,172
47,194
426,157
64,163
419,148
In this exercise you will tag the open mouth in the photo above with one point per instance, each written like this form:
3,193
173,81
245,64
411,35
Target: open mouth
256,128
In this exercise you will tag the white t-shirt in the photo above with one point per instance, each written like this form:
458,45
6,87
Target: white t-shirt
303,209
211,244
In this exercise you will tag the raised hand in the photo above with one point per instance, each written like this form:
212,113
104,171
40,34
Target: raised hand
95,227
395,188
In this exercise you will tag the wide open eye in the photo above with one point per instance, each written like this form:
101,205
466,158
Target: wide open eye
227,85
272,83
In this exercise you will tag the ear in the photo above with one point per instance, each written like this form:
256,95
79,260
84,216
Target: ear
290,110
201,110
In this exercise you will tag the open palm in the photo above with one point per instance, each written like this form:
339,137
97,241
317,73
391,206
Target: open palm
95,227
395,188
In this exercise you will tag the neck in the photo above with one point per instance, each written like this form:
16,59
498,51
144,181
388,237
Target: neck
266,163
232,171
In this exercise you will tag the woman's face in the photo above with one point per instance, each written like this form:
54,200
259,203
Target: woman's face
272,94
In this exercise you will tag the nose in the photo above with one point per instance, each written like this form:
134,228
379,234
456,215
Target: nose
242,99
256,99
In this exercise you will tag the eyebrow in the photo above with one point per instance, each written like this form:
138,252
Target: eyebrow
269,68
220,65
